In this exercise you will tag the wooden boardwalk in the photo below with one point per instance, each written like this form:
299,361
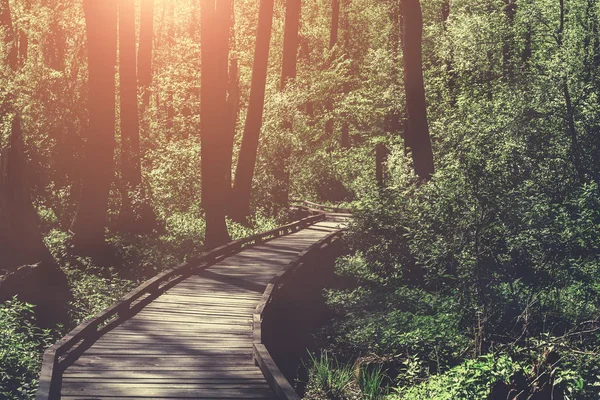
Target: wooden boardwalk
195,340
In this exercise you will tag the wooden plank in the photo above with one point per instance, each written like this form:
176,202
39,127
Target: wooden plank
157,392
106,362
193,319
162,335
171,351
196,312
249,372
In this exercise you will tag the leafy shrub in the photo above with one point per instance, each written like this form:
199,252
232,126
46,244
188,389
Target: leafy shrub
473,379
21,347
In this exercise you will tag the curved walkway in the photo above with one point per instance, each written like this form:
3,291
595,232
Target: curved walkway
196,339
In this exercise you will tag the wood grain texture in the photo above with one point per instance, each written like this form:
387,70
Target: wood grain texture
196,339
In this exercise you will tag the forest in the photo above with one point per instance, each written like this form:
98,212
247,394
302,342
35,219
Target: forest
464,135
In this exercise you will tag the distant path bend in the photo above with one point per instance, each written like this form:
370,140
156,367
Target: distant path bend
196,339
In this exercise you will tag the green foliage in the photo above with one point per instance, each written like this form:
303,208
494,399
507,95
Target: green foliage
21,344
473,379
371,382
328,377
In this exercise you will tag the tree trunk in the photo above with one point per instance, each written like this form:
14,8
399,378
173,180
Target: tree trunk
417,138
381,154
233,101
9,35
54,45
98,170
131,173
450,61
291,42
170,89
345,132
27,268
130,134
23,48
510,9
213,112
249,149
394,119
526,55
335,23
145,48
569,106
333,38
305,55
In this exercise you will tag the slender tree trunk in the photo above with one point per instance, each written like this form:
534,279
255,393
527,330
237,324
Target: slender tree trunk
335,23
233,101
248,152
381,154
55,42
130,152
293,9
170,89
446,7
97,169
23,48
569,107
291,42
333,38
145,48
131,173
394,119
212,114
417,137
9,35
510,9
526,55
305,56
345,132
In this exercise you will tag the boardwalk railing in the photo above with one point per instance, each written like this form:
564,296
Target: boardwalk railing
276,379
63,353
315,208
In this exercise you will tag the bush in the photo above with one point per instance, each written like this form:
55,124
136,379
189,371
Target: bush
21,347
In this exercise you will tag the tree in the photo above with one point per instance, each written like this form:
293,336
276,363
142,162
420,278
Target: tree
213,97
97,168
293,10
55,41
233,96
446,8
345,133
9,35
249,148
394,118
291,42
145,48
27,268
510,10
417,137
333,39
131,173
